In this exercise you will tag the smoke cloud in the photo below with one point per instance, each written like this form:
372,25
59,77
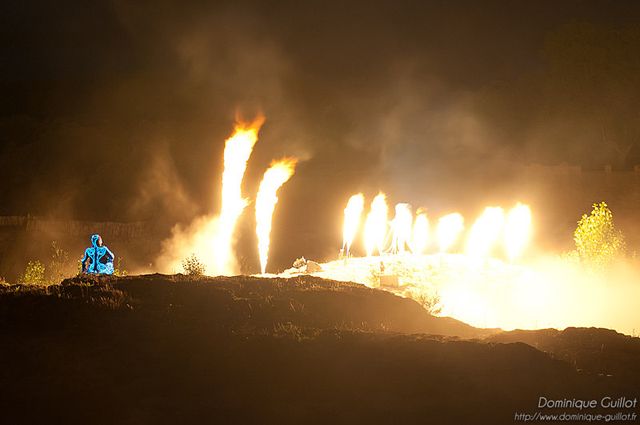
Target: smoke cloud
440,105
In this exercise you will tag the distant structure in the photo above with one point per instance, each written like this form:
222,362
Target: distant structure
98,259
306,266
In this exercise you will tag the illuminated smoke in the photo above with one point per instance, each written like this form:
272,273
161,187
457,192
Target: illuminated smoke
494,293
420,237
449,228
517,231
352,214
375,227
210,238
237,151
401,226
277,175
485,232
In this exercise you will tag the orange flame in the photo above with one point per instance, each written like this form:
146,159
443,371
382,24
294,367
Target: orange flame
420,237
402,223
352,214
237,151
517,230
277,175
449,228
485,232
375,227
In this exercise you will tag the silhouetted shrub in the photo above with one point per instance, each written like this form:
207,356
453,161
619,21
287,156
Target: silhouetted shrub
193,266
59,267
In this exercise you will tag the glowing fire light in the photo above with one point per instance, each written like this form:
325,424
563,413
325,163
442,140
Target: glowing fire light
485,232
420,238
490,293
401,225
517,231
449,228
237,151
277,175
352,214
375,227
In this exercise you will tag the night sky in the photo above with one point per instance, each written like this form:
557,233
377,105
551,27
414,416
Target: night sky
114,110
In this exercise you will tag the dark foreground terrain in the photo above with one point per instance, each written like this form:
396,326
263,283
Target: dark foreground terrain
177,350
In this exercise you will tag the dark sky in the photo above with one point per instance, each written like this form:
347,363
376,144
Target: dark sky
115,110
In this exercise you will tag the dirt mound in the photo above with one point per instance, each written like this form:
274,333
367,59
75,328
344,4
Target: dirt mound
245,302
598,351
173,349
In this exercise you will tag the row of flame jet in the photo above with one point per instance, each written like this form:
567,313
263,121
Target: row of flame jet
404,233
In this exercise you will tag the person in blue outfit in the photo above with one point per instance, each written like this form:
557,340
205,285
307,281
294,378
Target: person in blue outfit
98,259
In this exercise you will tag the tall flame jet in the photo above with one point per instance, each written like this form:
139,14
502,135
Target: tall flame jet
352,214
449,228
277,175
402,224
485,232
375,227
517,231
237,151
420,238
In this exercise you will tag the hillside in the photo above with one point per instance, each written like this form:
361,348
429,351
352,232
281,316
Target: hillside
603,352
172,349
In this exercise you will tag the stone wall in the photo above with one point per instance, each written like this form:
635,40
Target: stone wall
25,238
72,228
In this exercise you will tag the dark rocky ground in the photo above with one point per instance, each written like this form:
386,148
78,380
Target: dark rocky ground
173,349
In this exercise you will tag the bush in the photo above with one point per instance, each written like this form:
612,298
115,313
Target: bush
430,301
59,266
193,266
119,269
34,274
598,242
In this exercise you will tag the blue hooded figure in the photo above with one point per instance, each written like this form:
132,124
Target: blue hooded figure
98,259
